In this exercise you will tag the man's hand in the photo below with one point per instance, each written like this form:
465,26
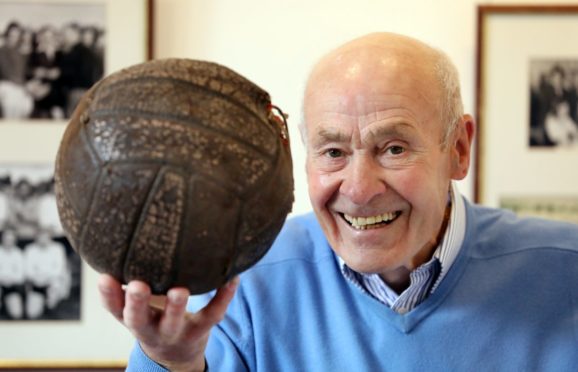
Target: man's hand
168,334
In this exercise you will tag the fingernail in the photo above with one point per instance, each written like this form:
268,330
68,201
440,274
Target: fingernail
233,283
177,298
136,295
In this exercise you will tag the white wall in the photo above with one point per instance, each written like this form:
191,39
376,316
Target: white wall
273,43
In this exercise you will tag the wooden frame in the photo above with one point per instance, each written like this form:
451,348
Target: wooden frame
511,41
50,366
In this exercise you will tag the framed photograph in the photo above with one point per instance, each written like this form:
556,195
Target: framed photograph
527,106
39,271
52,52
81,336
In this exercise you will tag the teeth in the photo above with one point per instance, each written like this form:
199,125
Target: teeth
363,223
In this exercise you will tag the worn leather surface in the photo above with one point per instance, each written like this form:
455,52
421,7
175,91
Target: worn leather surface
175,172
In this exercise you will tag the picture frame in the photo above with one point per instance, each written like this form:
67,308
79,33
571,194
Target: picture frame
52,51
96,342
40,273
50,366
518,156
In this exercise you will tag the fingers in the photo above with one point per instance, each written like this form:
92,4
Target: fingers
137,315
131,306
158,326
111,295
216,308
173,318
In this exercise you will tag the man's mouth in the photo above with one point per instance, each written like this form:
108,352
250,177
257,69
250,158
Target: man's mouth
371,222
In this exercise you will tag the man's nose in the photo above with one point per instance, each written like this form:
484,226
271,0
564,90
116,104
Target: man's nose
362,181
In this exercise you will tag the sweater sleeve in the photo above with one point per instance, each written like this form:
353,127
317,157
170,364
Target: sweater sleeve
140,362
228,348
220,356
223,355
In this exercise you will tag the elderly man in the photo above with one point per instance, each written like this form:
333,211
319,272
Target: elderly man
394,271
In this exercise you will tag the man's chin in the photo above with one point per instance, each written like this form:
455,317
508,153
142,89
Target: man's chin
367,261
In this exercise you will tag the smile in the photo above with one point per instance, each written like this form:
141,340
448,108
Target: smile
371,222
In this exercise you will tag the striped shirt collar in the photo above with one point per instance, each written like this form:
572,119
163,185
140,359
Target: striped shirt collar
426,278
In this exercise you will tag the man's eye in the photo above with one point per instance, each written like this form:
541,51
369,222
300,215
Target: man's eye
334,153
395,150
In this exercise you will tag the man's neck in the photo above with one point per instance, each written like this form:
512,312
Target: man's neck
399,280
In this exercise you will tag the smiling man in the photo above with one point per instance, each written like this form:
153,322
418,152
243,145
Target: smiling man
382,151
394,271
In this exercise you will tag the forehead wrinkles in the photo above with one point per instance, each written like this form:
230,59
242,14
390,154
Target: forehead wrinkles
361,112
396,122
396,129
346,103
375,90
365,130
385,84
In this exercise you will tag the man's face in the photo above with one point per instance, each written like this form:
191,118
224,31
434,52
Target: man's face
71,36
14,36
378,175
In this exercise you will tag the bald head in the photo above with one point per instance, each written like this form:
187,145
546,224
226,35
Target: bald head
378,55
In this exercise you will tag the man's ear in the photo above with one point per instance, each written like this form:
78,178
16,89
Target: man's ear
461,147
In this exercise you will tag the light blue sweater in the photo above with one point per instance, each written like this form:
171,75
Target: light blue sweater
509,303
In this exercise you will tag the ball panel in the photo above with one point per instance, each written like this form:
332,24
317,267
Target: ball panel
212,76
150,256
189,104
71,221
118,201
79,170
249,253
207,250
260,222
122,138
76,171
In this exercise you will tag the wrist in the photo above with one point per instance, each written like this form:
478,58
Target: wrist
192,365
180,368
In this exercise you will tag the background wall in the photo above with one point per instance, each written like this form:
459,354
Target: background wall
275,43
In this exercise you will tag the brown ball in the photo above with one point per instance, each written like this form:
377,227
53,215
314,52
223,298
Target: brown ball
175,172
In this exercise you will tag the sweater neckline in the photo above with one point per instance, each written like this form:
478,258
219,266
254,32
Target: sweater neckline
405,323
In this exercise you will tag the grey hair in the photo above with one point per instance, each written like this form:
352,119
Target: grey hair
451,107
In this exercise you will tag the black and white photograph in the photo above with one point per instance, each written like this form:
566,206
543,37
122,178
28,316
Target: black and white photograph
39,271
553,103
50,54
